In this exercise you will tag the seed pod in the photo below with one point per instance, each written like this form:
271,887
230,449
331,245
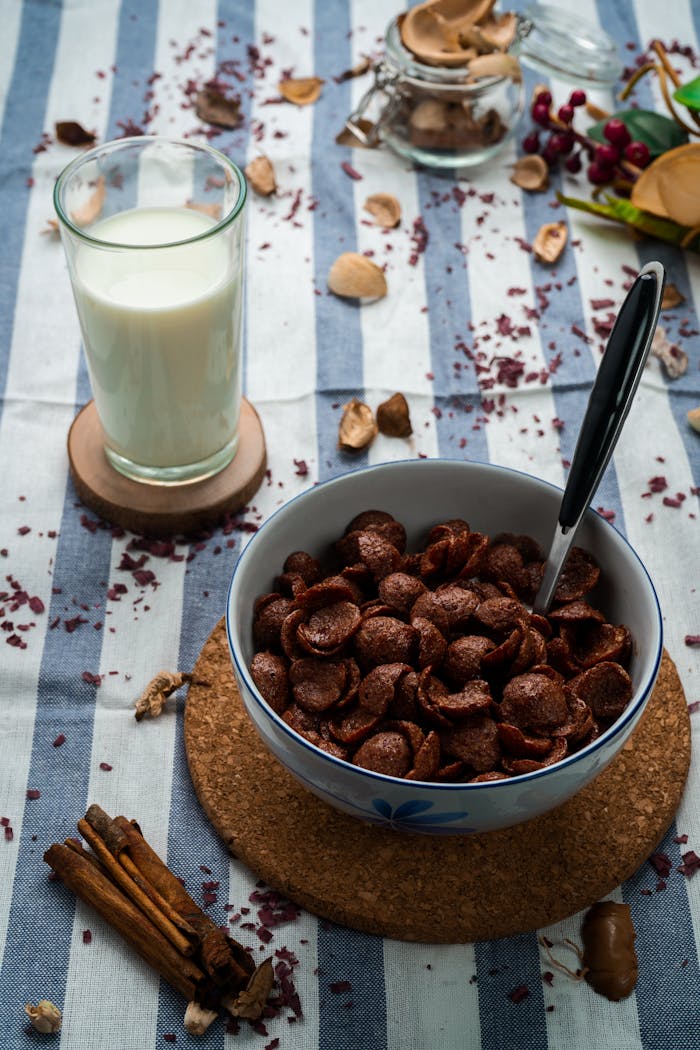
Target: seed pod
608,950
393,417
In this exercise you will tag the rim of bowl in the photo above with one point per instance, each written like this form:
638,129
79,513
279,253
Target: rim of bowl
384,778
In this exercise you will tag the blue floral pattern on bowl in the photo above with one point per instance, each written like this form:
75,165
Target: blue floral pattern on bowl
415,815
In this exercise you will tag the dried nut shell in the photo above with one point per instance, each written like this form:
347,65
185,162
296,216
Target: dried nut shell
496,65
531,173
354,276
214,108
212,210
346,137
550,241
384,209
694,418
45,1017
433,30
393,418
261,176
671,297
359,69
91,209
302,91
357,427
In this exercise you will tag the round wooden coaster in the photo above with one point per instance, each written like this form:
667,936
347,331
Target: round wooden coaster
164,510
412,887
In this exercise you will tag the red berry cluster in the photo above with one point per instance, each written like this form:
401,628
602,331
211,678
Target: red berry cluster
606,161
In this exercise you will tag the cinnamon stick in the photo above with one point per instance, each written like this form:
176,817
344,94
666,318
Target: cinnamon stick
116,842
226,961
94,888
115,870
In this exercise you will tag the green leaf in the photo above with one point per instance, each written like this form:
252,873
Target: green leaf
657,132
689,94
618,209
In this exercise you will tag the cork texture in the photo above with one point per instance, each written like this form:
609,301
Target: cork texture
451,889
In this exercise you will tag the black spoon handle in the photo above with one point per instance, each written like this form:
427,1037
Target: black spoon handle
616,383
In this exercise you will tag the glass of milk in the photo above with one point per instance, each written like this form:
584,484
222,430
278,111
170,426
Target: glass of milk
153,229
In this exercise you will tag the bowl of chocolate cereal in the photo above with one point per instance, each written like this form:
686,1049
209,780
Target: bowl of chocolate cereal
384,645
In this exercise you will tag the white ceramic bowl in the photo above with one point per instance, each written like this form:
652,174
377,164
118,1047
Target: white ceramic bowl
421,493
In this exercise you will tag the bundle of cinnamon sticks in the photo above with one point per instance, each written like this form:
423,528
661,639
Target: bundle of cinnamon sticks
137,894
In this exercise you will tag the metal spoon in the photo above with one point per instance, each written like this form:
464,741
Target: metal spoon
609,402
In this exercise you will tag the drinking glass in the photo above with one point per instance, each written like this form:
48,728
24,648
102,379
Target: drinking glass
153,231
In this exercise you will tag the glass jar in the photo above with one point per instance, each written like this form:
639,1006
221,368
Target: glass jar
440,117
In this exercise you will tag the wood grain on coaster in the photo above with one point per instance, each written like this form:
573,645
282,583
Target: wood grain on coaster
412,887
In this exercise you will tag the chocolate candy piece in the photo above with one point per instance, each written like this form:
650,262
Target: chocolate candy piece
608,950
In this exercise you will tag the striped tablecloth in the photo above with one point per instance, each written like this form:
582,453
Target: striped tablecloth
78,647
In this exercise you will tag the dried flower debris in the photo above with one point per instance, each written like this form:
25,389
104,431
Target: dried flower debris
673,359
45,1016
154,697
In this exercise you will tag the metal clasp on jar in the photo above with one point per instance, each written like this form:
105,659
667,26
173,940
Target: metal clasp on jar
368,132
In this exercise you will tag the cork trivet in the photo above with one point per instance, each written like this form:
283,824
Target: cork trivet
164,510
422,888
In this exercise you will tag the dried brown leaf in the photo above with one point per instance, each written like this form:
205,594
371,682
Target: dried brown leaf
531,173
347,137
91,209
384,209
550,242
671,297
152,700
71,133
357,427
354,276
302,91
393,417
214,108
673,359
251,1001
261,175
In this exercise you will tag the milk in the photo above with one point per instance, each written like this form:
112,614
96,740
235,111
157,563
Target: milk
161,329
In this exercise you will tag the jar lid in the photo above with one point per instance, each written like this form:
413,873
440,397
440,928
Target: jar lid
558,43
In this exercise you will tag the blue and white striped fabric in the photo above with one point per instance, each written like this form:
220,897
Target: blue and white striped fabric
111,64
